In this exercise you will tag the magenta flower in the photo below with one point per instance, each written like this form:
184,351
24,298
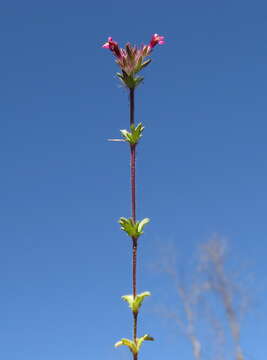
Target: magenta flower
113,46
156,39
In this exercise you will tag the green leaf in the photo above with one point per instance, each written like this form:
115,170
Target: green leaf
136,303
145,63
139,300
123,78
124,132
134,230
126,135
137,132
135,135
138,80
128,226
142,339
128,299
129,80
119,75
142,224
131,345
134,347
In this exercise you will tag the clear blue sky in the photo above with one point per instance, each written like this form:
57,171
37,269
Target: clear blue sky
202,166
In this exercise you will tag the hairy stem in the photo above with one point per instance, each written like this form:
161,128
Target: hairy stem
133,153
135,316
131,106
134,266
133,200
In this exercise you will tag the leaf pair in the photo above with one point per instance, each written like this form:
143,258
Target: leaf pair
132,345
135,303
129,80
134,136
133,229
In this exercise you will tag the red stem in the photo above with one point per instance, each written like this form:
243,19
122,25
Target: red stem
131,106
133,200
133,158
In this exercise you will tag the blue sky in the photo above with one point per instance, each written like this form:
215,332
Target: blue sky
201,167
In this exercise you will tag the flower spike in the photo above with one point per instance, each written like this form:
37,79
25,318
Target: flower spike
132,59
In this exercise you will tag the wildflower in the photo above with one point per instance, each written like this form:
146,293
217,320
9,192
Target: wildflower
113,46
156,39
132,59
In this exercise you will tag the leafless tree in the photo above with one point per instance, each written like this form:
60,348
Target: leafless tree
213,262
209,279
188,295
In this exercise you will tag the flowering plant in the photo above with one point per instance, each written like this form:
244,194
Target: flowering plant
131,61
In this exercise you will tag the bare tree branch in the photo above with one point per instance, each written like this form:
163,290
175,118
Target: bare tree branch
213,263
207,282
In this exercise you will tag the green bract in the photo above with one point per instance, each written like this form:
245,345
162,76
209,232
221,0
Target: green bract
140,66
129,80
128,77
132,345
134,136
133,229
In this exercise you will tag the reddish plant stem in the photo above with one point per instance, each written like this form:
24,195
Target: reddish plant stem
133,153
131,106
134,265
133,198
135,316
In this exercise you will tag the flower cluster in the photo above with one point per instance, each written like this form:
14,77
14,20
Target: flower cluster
132,59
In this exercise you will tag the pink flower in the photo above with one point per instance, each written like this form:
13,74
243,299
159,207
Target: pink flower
113,46
132,59
156,39
107,44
